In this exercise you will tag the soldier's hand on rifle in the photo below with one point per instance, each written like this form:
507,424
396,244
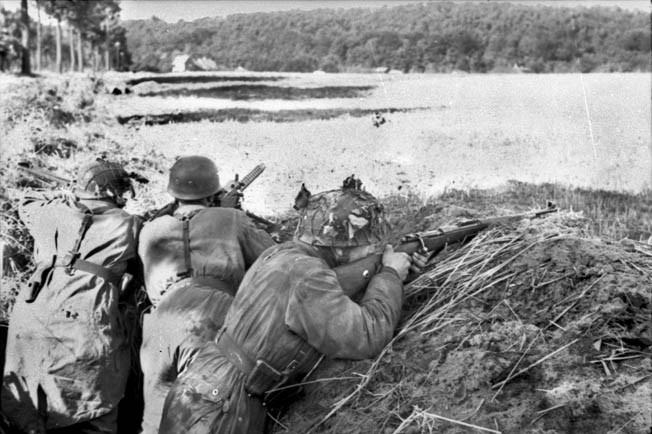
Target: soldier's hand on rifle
419,262
230,199
399,261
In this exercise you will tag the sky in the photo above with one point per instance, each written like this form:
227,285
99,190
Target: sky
188,10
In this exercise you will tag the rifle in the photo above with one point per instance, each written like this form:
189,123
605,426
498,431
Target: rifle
43,176
355,276
49,178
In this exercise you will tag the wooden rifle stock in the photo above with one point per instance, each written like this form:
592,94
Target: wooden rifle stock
355,276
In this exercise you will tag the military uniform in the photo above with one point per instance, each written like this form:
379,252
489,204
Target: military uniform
288,311
194,261
68,350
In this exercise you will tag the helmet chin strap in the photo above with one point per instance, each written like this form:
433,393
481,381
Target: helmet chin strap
118,199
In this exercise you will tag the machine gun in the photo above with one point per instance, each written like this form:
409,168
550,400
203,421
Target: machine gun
231,194
355,276
228,197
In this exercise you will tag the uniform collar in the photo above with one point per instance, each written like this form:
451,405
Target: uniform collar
186,209
322,253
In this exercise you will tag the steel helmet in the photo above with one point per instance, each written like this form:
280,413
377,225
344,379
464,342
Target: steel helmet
102,179
193,177
342,218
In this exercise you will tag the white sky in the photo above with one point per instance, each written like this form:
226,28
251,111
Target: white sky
174,10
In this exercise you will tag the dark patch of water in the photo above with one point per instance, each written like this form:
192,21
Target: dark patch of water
252,115
177,79
262,91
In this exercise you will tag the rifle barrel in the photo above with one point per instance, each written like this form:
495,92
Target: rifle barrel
355,276
43,175
259,218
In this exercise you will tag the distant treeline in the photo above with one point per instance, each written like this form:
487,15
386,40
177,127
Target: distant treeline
431,37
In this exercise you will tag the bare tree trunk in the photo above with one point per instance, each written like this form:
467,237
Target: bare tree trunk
25,68
107,48
71,43
80,52
38,36
97,57
58,38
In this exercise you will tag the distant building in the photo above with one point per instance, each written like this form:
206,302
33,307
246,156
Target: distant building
181,63
185,62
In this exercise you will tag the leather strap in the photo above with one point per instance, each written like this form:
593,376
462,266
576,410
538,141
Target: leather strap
98,270
186,248
185,221
261,377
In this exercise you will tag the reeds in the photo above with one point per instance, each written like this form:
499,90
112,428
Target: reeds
485,264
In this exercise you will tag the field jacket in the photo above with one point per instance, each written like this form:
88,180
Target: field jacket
223,243
288,311
68,346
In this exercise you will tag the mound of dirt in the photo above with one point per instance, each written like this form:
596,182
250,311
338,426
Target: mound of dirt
538,328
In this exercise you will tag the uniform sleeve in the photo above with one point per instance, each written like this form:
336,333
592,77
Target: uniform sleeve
320,312
253,241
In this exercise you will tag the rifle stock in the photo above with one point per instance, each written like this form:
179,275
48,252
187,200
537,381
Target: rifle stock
355,276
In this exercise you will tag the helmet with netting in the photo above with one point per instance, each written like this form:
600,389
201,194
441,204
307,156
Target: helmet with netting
102,179
342,218
193,177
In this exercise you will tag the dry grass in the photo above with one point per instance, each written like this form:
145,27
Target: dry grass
487,264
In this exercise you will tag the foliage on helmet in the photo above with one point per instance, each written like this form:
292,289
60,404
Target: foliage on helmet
193,177
342,218
101,179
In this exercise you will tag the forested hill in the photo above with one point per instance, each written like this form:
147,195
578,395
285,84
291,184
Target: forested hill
437,37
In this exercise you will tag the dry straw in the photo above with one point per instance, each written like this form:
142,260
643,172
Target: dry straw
460,275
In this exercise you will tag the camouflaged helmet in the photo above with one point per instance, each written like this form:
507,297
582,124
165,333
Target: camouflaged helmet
342,218
101,179
193,177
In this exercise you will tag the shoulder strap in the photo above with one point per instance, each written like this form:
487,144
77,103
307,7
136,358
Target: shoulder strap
72,257
72,260
185,221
